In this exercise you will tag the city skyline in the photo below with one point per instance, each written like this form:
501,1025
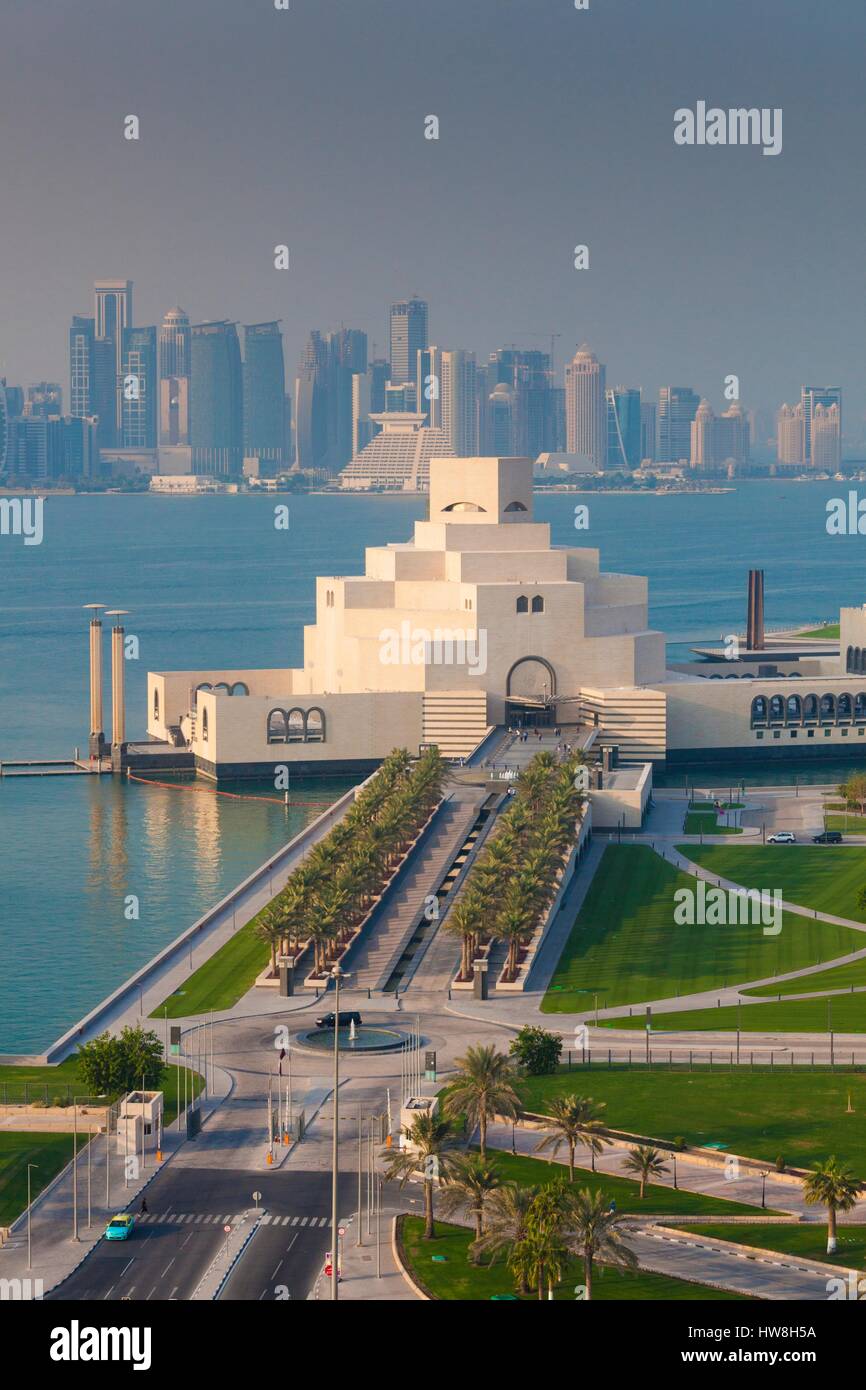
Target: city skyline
752,286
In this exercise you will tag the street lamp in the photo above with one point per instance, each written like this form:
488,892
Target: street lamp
29,1242
75,1100
337,975
763,1189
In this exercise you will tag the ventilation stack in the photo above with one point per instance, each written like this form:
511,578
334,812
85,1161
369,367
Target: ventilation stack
118,692
96,739
755,612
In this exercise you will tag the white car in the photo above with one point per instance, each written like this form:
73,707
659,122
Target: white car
782,837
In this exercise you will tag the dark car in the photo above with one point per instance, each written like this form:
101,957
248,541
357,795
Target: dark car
828,837
346,1017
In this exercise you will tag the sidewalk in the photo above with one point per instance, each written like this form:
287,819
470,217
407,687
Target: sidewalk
361,1281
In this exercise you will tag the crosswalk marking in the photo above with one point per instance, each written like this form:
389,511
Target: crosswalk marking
178,1218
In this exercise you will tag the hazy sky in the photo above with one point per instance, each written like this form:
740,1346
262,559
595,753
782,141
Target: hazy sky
306,127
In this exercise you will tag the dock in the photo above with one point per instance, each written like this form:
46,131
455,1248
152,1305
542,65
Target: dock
55,767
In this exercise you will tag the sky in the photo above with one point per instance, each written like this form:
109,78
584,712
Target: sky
305,127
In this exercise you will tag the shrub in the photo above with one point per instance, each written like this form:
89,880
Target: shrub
536,1050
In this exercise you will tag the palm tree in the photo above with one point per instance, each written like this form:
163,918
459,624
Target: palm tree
506,1213
575,1120
471,1181
430,1143
646,1162
834,1186
483,1088
270,928
514,923
543,1254
465,920
596,1234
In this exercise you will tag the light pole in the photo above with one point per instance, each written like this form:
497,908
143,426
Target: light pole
360,1240
336,976
763,1189
29,1241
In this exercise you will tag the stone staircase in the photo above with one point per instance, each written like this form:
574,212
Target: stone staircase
377,956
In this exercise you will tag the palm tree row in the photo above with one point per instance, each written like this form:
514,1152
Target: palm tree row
538,1230
513,881
330,892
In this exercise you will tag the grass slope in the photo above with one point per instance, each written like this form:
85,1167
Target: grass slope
625,946
808,1241
847,1015
825,877
537,1172
62,1083
794,1112
221,981
50,1152
454,1278
837,977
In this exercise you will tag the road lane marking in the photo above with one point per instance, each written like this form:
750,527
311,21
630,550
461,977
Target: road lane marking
167,1268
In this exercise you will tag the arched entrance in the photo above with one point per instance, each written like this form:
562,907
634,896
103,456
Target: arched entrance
530,693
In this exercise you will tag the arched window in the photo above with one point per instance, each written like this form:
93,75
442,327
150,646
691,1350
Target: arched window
296,726
205,685
277,731
222,687
849,659
793,710
523,604
759,711
239,688
538,604
859,659
810,709
204,726
315,725
777,709
515,507
860,707
464,507
844,708
828,709
156,704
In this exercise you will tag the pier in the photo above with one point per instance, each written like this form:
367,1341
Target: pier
55,767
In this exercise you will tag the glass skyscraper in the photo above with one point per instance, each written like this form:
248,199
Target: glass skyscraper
139,390
408,337
623,427
216,399
264,391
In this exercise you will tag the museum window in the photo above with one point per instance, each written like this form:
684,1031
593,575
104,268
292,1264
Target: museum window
793,710
844,709
538,604
759,734
156,705
277,726
828,709
315,725
777,709
204,727
860,707
515,507
849,659
810,709
296,724
466,507
759,710
523,604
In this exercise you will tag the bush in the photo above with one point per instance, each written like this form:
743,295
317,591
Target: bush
679,1143
780,1164
536,1050
107,1064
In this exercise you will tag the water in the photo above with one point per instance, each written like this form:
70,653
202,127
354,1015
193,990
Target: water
211,582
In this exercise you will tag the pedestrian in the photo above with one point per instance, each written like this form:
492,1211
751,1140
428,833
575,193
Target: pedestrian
143,1210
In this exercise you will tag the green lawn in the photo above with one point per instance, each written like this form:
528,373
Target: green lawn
710,805
625,946
825,877
808,1241
537,1172
837,977
839,820
704,822
794,1112
453,1277
848,1015
221,981
830,631
51,1152
60,1084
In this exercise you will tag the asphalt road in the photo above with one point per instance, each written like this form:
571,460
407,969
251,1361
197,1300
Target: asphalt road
172,1247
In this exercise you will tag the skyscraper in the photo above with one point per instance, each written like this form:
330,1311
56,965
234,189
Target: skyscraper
536,406
44,398
677,408
139,388
408,337
648,431
623,427
4,425
174,354
428,384
585,409
826,437
789,434
113,313
718,440
459,417
264,392
216,399
810,397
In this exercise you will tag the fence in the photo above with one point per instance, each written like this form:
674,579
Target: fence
758,1059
